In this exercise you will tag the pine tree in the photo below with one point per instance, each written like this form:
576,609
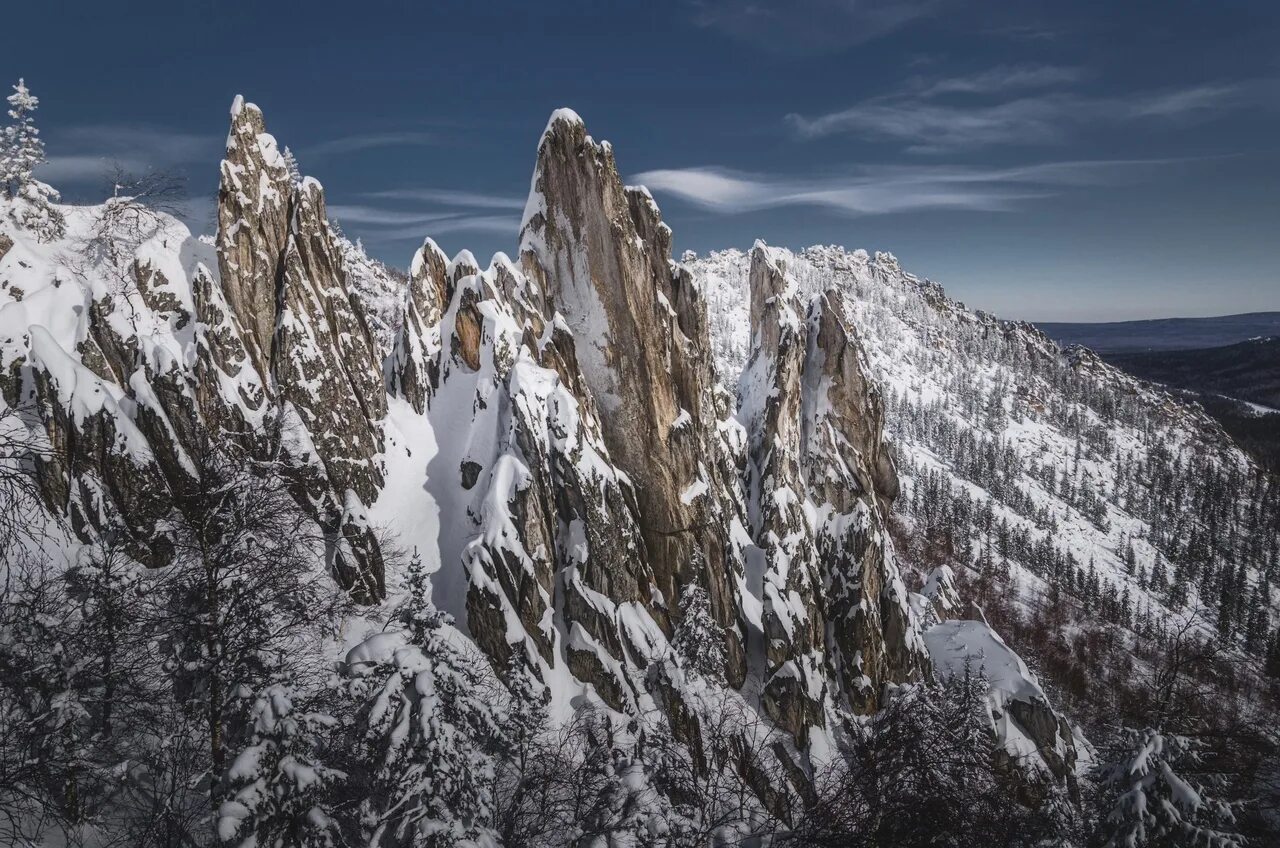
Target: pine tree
23,152
1272,664
1147,803
1226,610
922,772
429,730
699,644
276,787
291,164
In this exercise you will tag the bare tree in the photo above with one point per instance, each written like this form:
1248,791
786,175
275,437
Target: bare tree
241,598
39,725
20,497
137,208
923,772
728,776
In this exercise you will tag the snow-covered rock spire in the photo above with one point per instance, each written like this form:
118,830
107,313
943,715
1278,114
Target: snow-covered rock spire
601,256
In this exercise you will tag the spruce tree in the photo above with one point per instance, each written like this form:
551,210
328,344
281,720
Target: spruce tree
428,731
277,790
699,644
1146,802
291,164
23,152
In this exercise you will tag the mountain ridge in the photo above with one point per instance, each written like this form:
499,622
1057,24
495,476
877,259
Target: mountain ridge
1157,334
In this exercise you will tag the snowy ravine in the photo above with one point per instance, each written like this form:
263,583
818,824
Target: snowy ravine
649,493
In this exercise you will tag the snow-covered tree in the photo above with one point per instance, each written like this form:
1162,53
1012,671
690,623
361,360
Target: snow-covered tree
429,725
240,601
23,151
1147,803
699,643
44,720
276,787
108,588
923,772
291,164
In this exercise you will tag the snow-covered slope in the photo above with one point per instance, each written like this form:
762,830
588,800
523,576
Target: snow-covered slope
1046,460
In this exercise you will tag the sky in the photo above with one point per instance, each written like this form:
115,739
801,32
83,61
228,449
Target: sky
1082,161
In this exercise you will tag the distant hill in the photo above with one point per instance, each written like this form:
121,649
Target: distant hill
1235,383
1248,370
1165,333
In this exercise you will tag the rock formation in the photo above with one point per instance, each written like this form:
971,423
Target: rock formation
268,355
772,396
602,257
818,480
561,416
253,227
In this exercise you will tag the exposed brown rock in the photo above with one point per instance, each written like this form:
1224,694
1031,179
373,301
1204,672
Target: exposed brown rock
411,371
574,536
253,227
98,457
156,294
466,333
322,358
600,256
773,384
851,477
430,289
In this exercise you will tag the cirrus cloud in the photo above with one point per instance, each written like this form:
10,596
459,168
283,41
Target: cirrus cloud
1016,105
891,189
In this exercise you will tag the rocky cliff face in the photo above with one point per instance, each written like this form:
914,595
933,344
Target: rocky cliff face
818,480
283,277
601,256
158,348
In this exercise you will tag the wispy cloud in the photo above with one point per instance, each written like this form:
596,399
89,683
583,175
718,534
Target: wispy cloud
1199,98
808,26
395,235
891,189
81,156
450,197
932,126
85,168
357,214
1003,78
396,216
502,224
156,142
1026,32
1022,105
371,141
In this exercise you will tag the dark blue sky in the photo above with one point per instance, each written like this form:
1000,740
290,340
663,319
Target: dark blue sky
1049,161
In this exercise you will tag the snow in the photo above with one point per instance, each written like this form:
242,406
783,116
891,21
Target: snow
957,647
953,643
564,114
693,491
378,648
928,353
511,413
